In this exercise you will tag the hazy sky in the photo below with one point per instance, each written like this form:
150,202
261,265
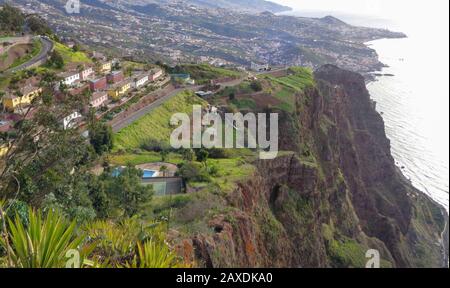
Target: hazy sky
389,8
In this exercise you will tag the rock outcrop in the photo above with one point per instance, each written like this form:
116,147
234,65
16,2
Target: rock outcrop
336,195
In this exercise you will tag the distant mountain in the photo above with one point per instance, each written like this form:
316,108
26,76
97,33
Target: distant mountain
254,6
247,5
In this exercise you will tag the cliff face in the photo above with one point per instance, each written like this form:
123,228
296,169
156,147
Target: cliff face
335,196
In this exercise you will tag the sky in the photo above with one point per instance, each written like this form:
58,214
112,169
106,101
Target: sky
429,18
386,8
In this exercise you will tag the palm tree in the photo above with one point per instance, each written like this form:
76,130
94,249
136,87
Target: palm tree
163,169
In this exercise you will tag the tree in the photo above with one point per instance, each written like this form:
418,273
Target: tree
99,197
128,192
202,156
164,153
188,155
44,159
163,170
194,172
38,25
256,86
11,19
56,60
76,47
101,138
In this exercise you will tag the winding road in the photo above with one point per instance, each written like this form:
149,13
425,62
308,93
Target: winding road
47,47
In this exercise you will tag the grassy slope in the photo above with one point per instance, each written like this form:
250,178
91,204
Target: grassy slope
300,79
71,57
156,125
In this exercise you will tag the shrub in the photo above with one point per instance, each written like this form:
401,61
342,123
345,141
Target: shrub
193,172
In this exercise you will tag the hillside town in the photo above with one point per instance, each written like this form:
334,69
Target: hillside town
217,36
103,81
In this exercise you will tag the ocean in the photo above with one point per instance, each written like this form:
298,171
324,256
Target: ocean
414,102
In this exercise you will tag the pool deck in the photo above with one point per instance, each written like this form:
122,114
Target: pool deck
171,169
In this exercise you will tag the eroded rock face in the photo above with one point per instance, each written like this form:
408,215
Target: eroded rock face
339,189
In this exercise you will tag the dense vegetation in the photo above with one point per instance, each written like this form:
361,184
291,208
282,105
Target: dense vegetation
203,73
12,19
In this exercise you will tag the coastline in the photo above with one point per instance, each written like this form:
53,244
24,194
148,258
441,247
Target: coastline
444,236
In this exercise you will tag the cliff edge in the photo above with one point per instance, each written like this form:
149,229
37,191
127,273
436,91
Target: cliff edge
334,194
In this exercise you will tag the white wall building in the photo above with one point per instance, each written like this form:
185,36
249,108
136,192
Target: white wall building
69,78
70,121
259,67
140,81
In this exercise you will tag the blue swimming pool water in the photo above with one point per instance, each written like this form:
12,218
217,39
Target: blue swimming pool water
117,172
148,174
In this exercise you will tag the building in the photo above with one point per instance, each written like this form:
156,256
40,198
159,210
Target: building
27,95
106,67
98,99
69,78
204,94
71,120
115,77
119,89
140,80
155,74
4,148
87,72
259,67
5,126
183,78
98,84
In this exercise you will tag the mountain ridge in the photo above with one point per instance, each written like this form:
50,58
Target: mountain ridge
253,6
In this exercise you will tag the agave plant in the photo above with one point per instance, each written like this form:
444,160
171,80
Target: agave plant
44,242
155,255
116,242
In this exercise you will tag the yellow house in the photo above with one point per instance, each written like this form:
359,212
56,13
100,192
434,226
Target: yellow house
4,148
106,67
119,89
11,102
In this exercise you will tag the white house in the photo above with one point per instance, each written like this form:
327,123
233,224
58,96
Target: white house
87,72
69,78
140,80
259,67
70,121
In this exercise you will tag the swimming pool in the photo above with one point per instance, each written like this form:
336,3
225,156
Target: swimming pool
149,174
117,172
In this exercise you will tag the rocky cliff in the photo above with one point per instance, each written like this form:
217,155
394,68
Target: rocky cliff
334,196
